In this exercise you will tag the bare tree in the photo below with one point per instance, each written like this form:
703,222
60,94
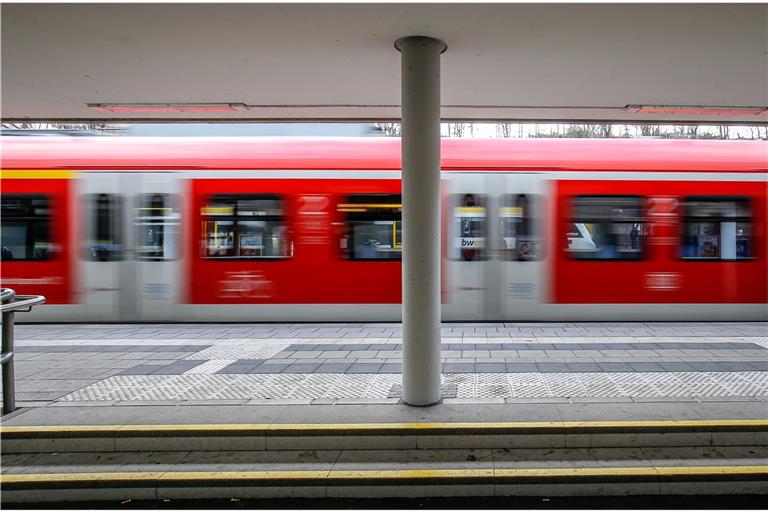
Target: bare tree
390,129
504,130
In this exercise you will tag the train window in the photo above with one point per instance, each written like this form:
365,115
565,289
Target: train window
245,227
104,232
373,227
26,228
716,229
606,228
469,224
517,223
157,226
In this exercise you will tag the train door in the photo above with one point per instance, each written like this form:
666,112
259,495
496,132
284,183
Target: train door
156,208
516,270
108,276
466,246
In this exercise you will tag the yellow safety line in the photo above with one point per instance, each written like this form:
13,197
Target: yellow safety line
395,474
35,174
597,425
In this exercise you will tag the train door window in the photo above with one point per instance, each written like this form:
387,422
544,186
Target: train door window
245,227
104,232
519,238
716,229
373,227
26,228
470,223
606,228
157,225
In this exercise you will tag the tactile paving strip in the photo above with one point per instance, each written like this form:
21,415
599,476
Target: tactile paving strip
240,349
461,385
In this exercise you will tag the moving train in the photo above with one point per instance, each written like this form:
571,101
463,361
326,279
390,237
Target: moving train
309,229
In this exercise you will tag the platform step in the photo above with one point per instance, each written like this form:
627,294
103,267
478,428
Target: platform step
374,436
411,482
59,477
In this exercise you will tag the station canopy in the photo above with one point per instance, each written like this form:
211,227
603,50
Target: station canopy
259,62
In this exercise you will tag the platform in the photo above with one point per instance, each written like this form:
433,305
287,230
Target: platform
153,412
324,364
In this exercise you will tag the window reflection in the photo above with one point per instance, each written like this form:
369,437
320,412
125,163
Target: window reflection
245,227
373,227
157,223
26,226
716,229
104,233
519,238
469,221
606,228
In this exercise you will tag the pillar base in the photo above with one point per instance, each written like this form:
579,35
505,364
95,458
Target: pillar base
403,402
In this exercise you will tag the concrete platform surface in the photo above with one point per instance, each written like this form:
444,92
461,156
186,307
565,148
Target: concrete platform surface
253,373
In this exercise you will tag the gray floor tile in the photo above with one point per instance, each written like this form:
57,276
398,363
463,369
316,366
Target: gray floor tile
237,368
700,366
391,368
584,367
490,367
646,367
615,367
142,369
552,367
459,367
333,368
270,368
522,368
301,368
364,368
676,367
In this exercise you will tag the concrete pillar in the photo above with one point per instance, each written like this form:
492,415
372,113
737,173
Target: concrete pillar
420,83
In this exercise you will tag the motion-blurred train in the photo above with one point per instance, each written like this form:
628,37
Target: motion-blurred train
309,229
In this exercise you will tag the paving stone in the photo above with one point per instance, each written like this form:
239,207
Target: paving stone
522,367
391,368
583,367
301,368
705,366
142,369
615,367
364,368
270,368
459,367
735,366
552,367
333,368
676,366
236,368
645,367
490,367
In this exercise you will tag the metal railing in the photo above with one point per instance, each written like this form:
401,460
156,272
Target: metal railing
11,303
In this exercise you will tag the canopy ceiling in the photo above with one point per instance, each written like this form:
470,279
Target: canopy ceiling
337,61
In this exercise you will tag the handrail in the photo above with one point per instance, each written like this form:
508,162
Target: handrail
21,302
10,303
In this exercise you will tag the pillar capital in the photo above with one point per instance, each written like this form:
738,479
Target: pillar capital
425,40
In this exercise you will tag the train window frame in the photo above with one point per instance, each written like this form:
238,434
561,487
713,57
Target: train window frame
32,223
686,219
575,219
170,223
112,222
236,219
355,208
456,251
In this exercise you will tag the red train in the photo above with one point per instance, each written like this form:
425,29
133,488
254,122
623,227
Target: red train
297,229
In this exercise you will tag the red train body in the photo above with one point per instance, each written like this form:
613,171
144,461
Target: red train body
130,229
